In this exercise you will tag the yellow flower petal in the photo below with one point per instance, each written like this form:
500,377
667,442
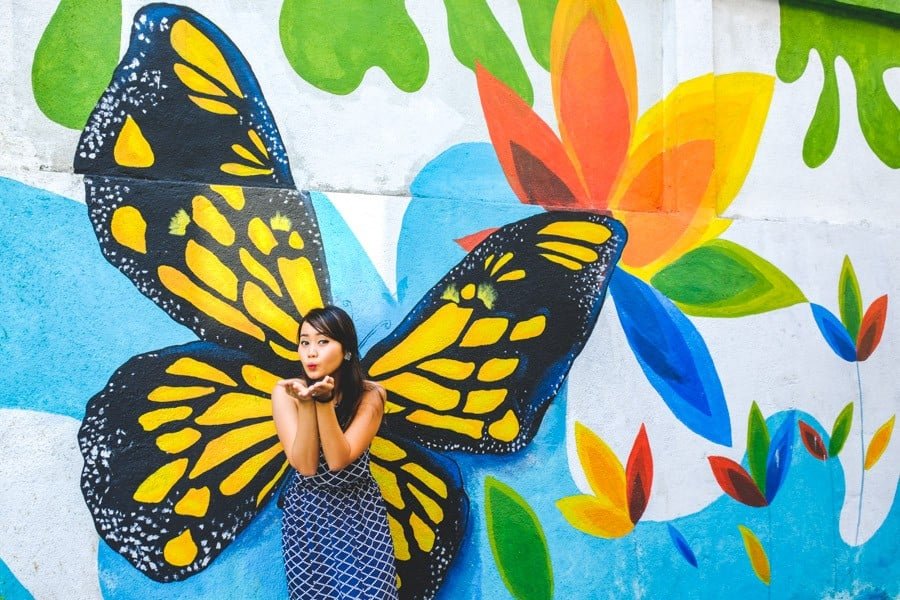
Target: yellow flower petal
879,442
759,561
592,516
605,473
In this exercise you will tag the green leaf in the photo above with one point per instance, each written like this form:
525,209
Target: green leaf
75,59
849,299
476,36
537,17
333,44
840,430
757,446
724,279
518,543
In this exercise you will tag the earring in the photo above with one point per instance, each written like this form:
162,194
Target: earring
348,355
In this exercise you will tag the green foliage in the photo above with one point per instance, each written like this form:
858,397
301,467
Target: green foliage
840,430
869,41
724,279
518,543
74,59
850,299
537,17
332,44
757,446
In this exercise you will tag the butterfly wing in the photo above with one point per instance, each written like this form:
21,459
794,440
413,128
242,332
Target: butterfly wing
427,510
475,364
180,453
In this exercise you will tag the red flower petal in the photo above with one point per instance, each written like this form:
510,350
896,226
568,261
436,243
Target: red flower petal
736,482
871,328
469,242
813,441
639,475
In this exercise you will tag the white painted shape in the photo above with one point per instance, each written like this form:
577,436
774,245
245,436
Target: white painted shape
891,80
49,541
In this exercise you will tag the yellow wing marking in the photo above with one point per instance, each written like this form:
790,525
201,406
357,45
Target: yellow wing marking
285,353
179,222
235,407
181,551
401,546
468,291
449,368
434,334
488,261
208,217
245,154
210,270
530,328
233,195
512,275
506,429
469,427
268,313
158,484
432,508
496,369
179,284
479,402
569,264
387,481
576,251
197,49
487,294
585,231
195,503
213,106
259,379
244,474
257,141
271,484
422,391
255,268
484,332
423,533
129,228
173,393
387,450
243,170
301,283
191,367
178,441
503,260
261,236
391,408
295,241
451,294
435,483
280,222
197,81
132,149
155,418
230,444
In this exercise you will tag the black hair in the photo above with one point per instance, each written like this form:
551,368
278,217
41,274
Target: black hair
337,324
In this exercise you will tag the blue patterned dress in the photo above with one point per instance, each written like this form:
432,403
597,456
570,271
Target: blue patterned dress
335,536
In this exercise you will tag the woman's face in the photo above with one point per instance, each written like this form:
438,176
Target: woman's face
320,354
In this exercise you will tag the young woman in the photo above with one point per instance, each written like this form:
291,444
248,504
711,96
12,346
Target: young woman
335,534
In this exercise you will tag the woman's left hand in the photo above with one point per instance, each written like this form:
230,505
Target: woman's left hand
322,391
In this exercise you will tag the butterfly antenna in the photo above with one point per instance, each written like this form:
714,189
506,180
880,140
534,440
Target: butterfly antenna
386,325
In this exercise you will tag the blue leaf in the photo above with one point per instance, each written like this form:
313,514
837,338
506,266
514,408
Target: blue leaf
834,333
779,458
673,356
682,545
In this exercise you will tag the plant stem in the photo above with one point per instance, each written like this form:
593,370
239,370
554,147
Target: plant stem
862,455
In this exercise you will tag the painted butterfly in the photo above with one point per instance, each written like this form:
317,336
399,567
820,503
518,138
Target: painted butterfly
190,193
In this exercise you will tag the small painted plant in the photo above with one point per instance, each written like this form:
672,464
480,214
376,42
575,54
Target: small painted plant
768,458
759,560
814,443
620,494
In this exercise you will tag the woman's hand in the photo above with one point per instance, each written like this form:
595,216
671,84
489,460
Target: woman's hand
322,391
296,388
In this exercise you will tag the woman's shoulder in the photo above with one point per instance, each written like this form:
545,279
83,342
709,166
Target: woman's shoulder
372,388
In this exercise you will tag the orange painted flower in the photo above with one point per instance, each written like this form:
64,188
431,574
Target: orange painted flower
668,175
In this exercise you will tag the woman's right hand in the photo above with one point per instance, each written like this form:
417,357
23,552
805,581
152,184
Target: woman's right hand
296,388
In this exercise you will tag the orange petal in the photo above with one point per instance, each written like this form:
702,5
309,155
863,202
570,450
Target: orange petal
879,442
590,515
532,157
603,470
593,110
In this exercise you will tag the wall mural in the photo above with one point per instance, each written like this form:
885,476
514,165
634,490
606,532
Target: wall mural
190,195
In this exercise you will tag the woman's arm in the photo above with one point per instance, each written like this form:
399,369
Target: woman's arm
343,447
295,423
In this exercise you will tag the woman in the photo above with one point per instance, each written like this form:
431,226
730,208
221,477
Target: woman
335,534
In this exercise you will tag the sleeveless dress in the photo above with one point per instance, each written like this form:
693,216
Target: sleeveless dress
335,536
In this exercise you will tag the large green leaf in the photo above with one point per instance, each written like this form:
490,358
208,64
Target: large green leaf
840,430
518,543
724,279
850,299
537,17
75,59
757,446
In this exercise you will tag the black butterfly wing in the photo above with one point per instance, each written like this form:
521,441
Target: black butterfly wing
475,364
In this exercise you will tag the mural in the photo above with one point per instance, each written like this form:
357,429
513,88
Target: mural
190,194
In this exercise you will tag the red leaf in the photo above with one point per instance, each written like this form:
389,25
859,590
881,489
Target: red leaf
736,482
639,475
469,242
871,328
813,441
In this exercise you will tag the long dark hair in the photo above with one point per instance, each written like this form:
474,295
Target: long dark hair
337,324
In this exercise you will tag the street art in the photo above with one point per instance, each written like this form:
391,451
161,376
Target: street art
190,195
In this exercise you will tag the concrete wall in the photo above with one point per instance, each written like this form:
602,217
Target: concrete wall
722,426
